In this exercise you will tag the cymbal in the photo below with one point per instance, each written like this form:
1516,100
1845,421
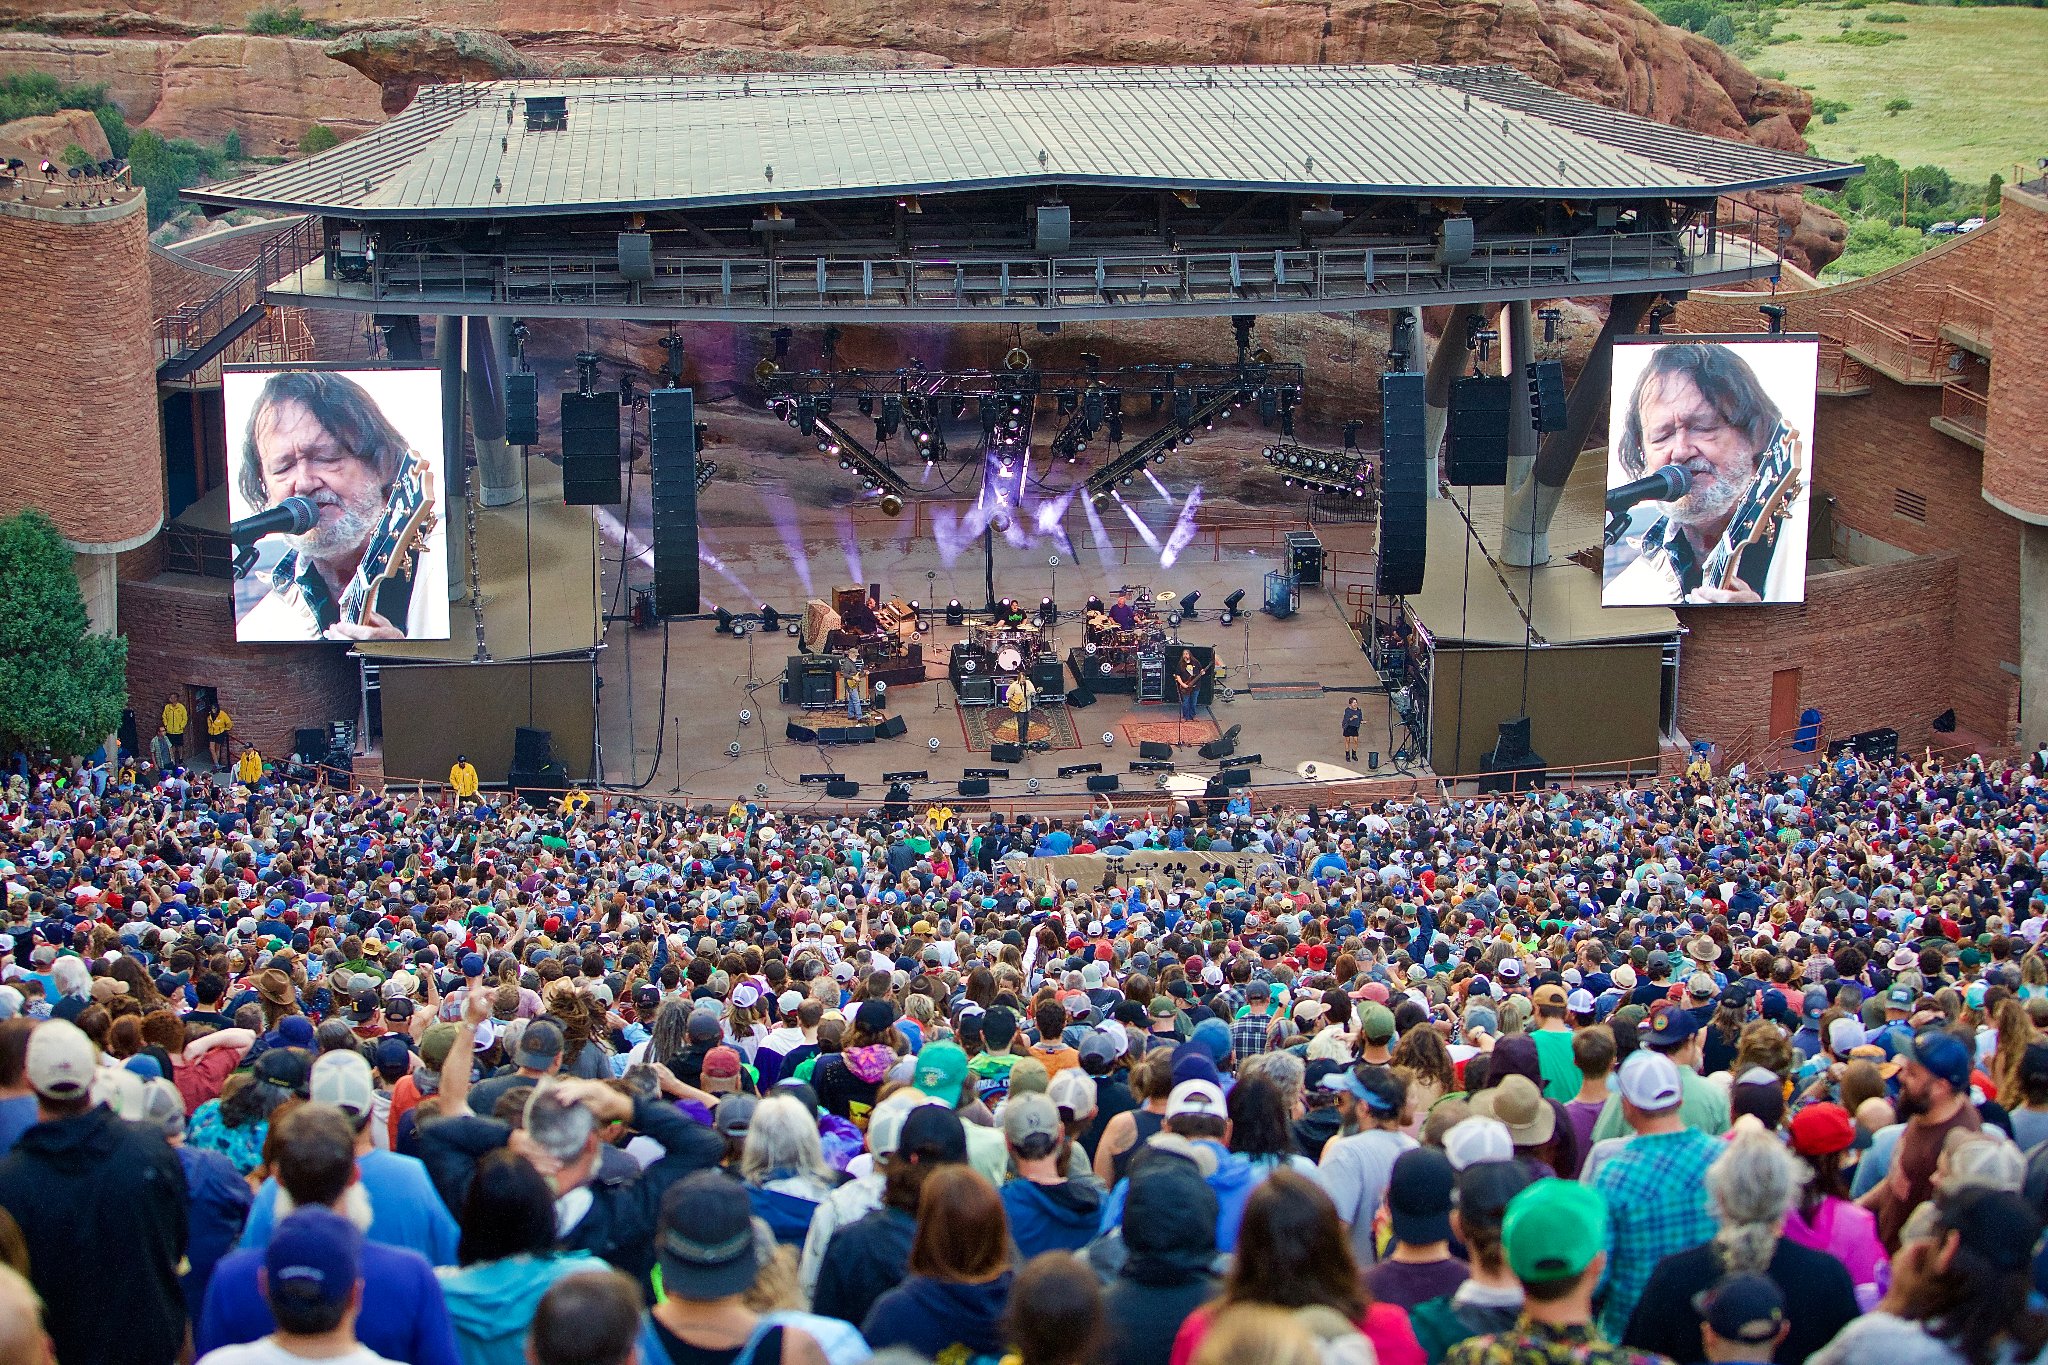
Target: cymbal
1168,596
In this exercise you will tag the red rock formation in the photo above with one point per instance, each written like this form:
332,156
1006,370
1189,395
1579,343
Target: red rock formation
33,139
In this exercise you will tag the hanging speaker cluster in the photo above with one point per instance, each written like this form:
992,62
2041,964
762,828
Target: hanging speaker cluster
1404,490
1478,432
672,461
590,450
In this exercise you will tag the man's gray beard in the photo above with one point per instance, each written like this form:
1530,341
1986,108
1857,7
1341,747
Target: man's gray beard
327,541
1716,498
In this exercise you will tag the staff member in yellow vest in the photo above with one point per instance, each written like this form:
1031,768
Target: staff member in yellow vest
249,767
220,733
176,718
1018,698
462,779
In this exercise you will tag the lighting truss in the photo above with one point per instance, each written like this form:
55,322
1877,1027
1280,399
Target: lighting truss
1187,420
1321,471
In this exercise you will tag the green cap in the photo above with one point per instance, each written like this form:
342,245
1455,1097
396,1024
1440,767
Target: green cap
1376,1023
941,1067
1554,1229
1161,1007
436,1043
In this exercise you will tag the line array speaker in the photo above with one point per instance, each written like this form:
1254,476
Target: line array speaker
672,461
1404,494
590,450
1546,395
522,409
1478,431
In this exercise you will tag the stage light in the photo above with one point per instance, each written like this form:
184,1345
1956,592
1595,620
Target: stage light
1047,612
1094,602
732,750
724,621
1235,602
1109,739
771,619
1187,604
955,613
1031,786
845,463
795,631
891,504
932,744
746,715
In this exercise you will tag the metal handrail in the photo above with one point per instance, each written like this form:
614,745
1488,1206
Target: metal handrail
185,330
1965,406
971,281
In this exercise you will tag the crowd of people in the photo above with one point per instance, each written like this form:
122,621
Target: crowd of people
1702,1070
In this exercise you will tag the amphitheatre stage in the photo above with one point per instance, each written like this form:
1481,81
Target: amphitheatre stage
868,338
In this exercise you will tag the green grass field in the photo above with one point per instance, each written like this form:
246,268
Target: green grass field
1975,77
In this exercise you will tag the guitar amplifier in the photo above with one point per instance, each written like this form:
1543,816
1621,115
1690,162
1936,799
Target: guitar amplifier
1049,676
975,690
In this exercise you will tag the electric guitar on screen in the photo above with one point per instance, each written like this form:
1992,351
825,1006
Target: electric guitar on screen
391,554
1743,553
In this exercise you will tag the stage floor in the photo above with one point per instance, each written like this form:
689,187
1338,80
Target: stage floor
1289,678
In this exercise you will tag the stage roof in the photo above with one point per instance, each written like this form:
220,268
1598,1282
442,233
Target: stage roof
678,142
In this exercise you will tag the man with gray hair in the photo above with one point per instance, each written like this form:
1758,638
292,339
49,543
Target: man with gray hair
1751,1188
609,1211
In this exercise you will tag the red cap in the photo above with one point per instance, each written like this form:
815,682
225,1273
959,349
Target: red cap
1819,1129
721,1063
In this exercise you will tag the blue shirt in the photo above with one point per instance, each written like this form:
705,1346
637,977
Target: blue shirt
403,1317
405,1208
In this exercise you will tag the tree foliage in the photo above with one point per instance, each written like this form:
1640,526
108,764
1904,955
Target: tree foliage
60,684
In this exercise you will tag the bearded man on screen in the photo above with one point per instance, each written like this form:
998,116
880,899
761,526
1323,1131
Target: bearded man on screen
1698,406
320,436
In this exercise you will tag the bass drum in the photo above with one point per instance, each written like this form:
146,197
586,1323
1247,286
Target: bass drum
1009,659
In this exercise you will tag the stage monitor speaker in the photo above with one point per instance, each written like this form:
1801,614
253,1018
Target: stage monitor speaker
1223,746
973,786
1006,753
1079,697
1153,749
672,466
1547,396
1404,492
522,409
1102,782
1478,430
1049,675
978,690
636,256
892,727
847,734
531,748
590,450
842,790
310,741
1235,777
799,734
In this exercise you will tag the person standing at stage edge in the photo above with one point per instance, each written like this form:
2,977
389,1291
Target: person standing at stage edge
1018,698
462,780
1189,683
1354,720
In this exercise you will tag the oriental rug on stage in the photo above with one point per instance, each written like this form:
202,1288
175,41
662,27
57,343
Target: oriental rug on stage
983,725
1200,730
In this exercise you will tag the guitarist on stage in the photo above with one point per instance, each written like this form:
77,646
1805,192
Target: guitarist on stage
1698,405
319,435
1187,683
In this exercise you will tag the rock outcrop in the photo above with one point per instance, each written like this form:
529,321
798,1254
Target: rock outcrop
1612,51
32,140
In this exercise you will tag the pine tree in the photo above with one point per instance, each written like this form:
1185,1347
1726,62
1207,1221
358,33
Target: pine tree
60,684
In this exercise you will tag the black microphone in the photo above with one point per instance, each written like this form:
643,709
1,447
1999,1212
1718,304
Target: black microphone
292,517
1671,482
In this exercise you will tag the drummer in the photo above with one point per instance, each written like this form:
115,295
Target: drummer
1013,613
1122,612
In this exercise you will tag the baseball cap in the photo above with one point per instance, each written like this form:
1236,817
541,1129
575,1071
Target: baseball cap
1162,1007
1096,1046
1814,1003
435,1044
1195,1097
1419,1196
61,1060
934,1133
941,1070
1031,1124
1551,995
1073,1092
472,964
343,1080
1554,1229
703,1027
1997,1224
1944,1054
1822,1128
1258,990
314,1258
1899,998
1745,1308
1669,1029
721,1073
789,1002
735,1115
1580,1001
1477,1141
539,1045
1649,1081
1701,987
1486,1188
874,1016
1376,1023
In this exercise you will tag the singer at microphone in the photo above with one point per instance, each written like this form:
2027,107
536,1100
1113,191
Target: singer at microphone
1668,484
293,517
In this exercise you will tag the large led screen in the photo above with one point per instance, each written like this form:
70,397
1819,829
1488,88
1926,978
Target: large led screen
1709,463
336,503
